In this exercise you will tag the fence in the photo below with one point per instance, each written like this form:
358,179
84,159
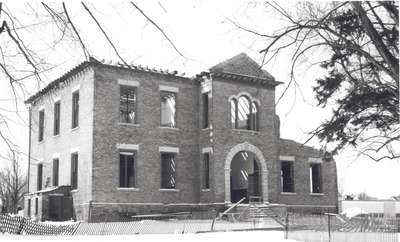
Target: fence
20,225
336,228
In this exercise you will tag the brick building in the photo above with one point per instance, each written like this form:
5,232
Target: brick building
115,139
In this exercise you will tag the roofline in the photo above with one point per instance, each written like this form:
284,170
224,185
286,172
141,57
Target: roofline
92,63
265,81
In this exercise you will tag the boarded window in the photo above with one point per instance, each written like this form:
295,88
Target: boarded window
206,171
315,178
55,172
75,109
74,171
57,109
127,104
205,110
287,176
168,170
168,109
126,169
41,124
39,177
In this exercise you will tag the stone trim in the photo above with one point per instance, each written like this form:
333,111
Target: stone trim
262,162
314,160
57,99
75,88
168,149
127,146
246,94
74,150
286,158
207,150
41,108
56,155
132,83
169,89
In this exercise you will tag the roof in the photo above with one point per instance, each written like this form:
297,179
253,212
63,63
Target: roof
91,63
243,65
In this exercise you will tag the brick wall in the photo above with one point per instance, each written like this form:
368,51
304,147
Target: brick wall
79,139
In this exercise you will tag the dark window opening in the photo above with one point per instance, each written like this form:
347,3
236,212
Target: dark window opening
315,178
287,176
205,110
57,113
75,109
55,172
41,125
127,104
233,113
126,169
40,177
74,171
206,171
29,207
168,109
36,206
254,116
168,171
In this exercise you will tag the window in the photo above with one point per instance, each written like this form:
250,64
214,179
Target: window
56,129
315,178
233,113
206,171
168,109
55,172
127,104
287,176
127,169
205,109
244,114
36,206
29,207
75,109
168,170
41,124
39,177
254,116
74,171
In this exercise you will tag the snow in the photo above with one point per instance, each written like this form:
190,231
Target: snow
273,236
70,222
353,212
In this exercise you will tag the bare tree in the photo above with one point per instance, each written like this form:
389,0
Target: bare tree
356,43
12,185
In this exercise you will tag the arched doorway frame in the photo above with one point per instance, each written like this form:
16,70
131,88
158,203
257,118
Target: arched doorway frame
262,162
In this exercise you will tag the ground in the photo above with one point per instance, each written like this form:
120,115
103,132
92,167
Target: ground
273,236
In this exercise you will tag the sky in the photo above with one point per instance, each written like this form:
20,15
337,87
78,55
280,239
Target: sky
204,33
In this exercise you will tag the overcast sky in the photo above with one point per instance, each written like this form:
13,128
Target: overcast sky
202,32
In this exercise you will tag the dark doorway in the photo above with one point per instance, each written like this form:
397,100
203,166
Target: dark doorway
60,207
245,177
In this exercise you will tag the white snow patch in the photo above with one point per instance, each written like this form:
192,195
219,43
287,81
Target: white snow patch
353,212
273,236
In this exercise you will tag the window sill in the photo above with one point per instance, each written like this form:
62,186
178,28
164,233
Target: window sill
168,190
41,142
166,127
129,124
74,129
56,136
288,193
317,194
246,131
128,189
206,129
74,191
206,190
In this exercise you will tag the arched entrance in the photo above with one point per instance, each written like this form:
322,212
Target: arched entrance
245,177
246,173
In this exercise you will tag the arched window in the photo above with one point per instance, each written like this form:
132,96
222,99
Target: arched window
233,113
254,116
243,113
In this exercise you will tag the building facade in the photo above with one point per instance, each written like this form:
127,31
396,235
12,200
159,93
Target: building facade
130,140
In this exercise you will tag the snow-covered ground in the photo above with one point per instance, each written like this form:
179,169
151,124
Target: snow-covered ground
270,236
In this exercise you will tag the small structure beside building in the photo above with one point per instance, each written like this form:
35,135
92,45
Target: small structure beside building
380,208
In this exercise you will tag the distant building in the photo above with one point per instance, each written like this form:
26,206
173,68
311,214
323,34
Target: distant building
383,208
112,140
